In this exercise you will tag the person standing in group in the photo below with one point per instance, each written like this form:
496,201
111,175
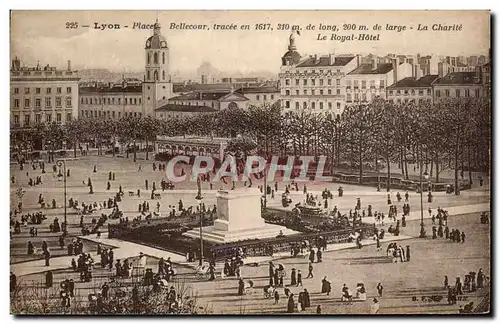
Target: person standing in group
380,289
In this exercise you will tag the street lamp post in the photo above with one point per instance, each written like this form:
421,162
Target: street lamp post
199,198
62,163
378,175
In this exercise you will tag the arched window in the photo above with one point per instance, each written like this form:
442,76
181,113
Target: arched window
149,76
163,75
163,57
156,75
155,58
149,58
232,105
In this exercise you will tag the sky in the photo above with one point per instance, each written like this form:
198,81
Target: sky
42,36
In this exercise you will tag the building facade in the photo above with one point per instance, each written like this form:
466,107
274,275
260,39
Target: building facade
260,95
412,90
114,101
315,83
42,95
458,85
368,82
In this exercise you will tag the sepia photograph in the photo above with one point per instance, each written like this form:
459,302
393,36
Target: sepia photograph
259,162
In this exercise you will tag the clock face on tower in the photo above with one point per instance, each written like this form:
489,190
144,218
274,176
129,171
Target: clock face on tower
163,44
148,43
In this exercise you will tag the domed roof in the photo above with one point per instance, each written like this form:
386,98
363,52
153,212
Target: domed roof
156,41
291,56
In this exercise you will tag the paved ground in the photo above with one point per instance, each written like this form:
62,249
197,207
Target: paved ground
350,266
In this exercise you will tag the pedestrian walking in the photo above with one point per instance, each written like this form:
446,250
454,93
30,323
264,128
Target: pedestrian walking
310,274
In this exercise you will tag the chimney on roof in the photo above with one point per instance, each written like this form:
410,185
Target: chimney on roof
395,70
69,65
332,58
316,58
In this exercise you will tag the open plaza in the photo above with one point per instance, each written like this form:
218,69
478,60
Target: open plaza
414,286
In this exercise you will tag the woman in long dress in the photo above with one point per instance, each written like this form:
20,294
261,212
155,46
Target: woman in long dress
291,304
293,278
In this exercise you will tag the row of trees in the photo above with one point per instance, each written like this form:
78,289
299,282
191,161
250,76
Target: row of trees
453,133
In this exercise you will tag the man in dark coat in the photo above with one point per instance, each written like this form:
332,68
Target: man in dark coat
241,287
311,256
299,278
319,255
293,278
71,288
407,253
307,299
310,274
325,286
31,248
49,279
291,304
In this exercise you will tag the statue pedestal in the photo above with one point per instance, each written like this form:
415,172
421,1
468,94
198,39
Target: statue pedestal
238,218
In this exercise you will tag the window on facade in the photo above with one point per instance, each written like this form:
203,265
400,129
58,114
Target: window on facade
349,97
297,105
338,105
287,81
321,82
466,93
26,103
68,117
58,102
305,91
321,92
329,91
438,93
420,101
320,105
406,92
163,57
364,96
26,120
447,93
16,103
48,118
356,97
113,101
125,100
329,81
59,90
297,81
26,90
338,91
48,102
420,92
329,105
338,70
287,104
356,84
372,83
38,119
155,58
338,83
58,118
477,92
38,103
119,115
68,90
313,92
382,83
412,91
265,97
149,76
457,93
49,90
257,97
68,102
305,81
304,105
139,101
297,92
16,119
363,84
429,92
16,91
313,105
149,58
272,97
37,90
